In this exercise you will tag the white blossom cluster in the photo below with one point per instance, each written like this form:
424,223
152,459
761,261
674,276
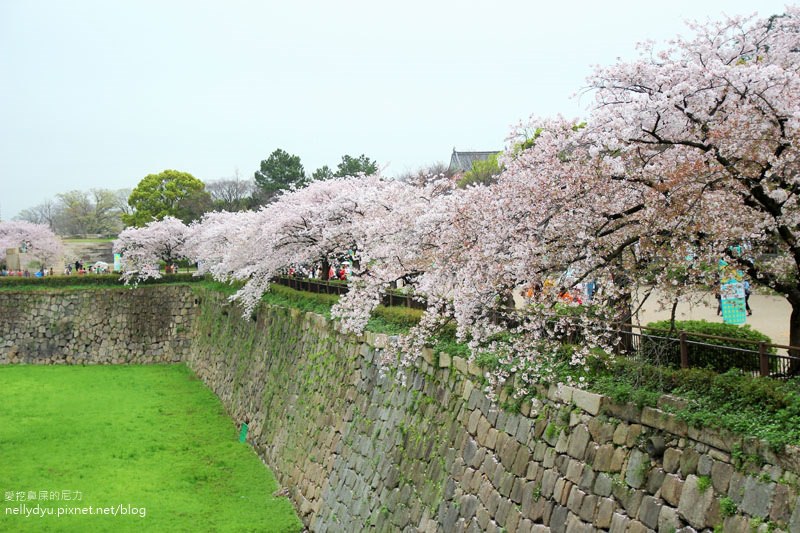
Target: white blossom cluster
39,242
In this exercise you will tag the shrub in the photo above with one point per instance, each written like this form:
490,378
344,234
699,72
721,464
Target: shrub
663,347
405,317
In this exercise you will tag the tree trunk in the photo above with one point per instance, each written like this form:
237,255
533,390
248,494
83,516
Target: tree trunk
794,336
624,308
325,270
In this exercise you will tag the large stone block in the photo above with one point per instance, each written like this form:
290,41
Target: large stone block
638,468
781,511
624,411
721,439
602,432
588,401
655,478
689,460
603,484
575,499
695,503
671,489
578,440
588,508
521,460
672,460
757,497
619,523
603,458
523,433
721,476
668,520
658,419
649,511
574,471
560,393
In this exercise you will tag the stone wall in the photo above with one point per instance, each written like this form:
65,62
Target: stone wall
360,451
96,325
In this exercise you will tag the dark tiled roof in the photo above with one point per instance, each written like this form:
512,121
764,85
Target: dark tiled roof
462,161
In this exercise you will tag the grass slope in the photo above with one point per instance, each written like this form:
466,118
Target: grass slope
152,437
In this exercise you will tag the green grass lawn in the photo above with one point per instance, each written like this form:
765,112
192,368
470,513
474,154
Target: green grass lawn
150,442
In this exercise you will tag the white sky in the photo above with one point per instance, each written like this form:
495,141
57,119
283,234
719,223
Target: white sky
101,93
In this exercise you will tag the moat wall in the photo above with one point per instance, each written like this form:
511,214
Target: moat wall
358,450
96,326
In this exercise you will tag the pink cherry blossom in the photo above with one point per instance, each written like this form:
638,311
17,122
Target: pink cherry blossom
42,244
143,248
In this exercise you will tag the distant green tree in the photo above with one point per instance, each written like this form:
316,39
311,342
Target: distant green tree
170,193
322,173
281,170
353,166
483,172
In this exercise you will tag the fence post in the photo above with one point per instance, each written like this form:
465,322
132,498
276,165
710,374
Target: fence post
684,351
763,359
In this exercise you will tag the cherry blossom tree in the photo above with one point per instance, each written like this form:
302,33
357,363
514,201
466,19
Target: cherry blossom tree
143,248
395,235
219,241
325,221
40,242
707,129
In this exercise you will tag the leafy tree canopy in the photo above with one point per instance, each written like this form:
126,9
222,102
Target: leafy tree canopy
483,172
281,170
353,166
322,173
170,193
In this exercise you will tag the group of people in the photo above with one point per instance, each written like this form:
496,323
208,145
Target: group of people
578,294
315,272
25,273
80,269
73,268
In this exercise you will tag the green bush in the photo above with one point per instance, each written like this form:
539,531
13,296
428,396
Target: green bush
404,317
663,347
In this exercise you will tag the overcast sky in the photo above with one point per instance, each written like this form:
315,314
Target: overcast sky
98,94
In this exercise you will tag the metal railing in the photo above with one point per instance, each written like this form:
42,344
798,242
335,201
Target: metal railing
697,350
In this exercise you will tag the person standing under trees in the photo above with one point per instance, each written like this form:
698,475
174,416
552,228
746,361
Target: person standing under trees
747,297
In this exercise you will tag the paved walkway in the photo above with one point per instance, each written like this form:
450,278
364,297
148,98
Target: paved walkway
770,314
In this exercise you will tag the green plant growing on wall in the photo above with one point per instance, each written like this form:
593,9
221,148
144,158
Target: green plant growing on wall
727,507
703,483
